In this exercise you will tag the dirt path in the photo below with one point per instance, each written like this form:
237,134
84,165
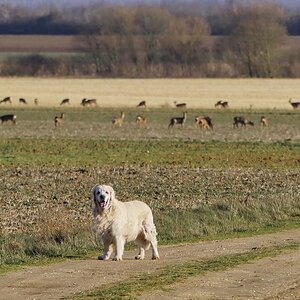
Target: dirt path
63,279
268,278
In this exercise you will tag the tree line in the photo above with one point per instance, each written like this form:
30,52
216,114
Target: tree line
168,41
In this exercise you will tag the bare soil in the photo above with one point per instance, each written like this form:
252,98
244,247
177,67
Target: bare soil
268,278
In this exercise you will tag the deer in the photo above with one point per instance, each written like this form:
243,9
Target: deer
142,104
263,121
203,122
6,100
87,102
118,120
178,120
58,120
241,120
65,101
10,117
221,104
22,101
295,105
36,101
180,105
140,120
83,101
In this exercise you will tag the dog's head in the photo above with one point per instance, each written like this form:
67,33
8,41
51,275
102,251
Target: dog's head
103,196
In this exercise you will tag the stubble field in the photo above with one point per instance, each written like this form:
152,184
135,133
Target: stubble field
197,93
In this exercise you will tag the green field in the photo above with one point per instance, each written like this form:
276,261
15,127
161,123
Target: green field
95,123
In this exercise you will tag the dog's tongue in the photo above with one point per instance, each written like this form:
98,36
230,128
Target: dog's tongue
102,204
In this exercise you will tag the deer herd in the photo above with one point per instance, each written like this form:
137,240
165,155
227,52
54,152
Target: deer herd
203,122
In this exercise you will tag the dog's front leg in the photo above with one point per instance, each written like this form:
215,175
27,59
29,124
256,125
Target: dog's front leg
119,248
107,251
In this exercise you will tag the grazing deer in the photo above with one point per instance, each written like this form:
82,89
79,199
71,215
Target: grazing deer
139,121
221,104
6,100
65,101
83,101
241,120
10,117
178,120
295,105
88,102
180,105
142,104
263,121
36,101
22,101
203,122
58,120
118,120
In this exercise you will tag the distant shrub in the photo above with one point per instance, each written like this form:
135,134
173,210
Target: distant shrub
30,65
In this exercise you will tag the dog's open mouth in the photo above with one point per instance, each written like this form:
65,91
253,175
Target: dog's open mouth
102,204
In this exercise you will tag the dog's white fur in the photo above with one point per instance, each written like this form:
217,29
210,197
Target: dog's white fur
116,222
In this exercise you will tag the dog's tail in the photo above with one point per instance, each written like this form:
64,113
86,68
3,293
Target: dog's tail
149,230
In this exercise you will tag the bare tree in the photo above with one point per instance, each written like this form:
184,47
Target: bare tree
256,29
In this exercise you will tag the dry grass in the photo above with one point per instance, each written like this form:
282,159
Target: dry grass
197,93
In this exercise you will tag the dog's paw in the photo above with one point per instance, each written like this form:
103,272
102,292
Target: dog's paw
155,257
117,258
139,257
103,257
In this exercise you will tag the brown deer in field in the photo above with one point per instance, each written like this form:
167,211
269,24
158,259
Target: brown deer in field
242,121
58,120
295,105
203,122
222,104
178,120
118,120
22,101
36,101
65,101
180,105
263,121
10,117
6,100
139,121
142,104
88,102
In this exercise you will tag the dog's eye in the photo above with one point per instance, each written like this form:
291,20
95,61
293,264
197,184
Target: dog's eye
106,192
98,193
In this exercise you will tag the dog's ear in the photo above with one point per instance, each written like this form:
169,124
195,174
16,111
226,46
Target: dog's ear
112,193
93,191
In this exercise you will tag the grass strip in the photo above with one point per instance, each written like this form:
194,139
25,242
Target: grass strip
216,154
177,273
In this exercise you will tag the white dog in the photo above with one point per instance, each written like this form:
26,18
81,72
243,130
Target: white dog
116,222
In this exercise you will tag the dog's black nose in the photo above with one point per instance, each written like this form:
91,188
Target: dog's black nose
102,197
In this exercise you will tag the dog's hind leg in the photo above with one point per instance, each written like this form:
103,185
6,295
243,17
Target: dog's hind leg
153,242
142,243
150,235
141,254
